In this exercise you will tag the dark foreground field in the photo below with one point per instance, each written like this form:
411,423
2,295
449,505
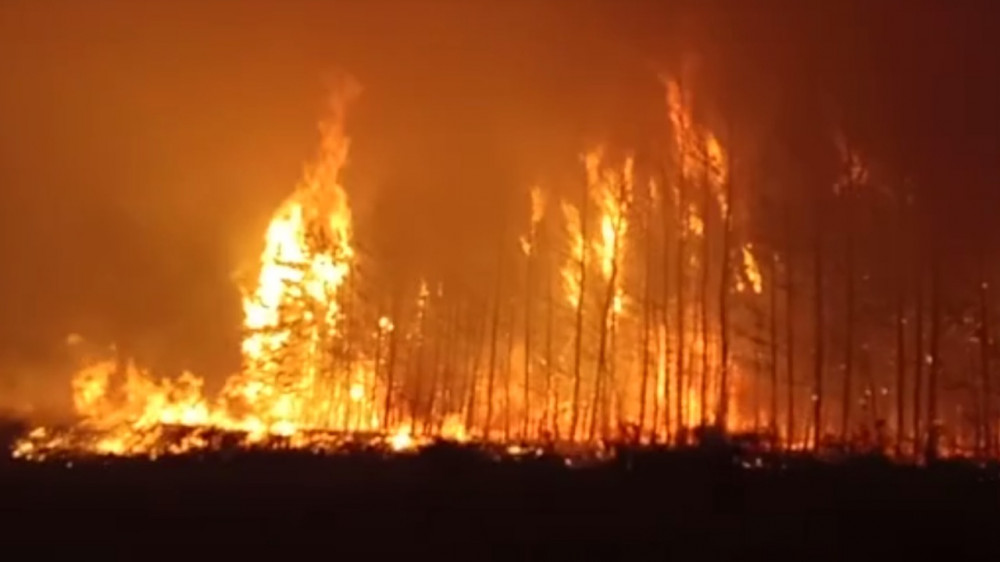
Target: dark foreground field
459,504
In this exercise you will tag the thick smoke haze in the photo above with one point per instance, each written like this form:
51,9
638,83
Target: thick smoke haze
144,145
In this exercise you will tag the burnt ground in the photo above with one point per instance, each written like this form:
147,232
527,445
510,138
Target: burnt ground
458,503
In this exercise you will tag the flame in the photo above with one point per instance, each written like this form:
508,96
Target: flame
699,152
571,269
292,318
717,170
695,224
401,440
618,303
454,429
537,213
537,206
682,126
292,314
751,271
612,190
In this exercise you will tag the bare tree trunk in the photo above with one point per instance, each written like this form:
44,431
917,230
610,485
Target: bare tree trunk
918,366
473,383
527,343
417,402
706,255
931,450
601,391
818,305
578,338
900,364
390,372
613,402
681,350
348,306
491,377
985,366
509,378
662,355
789,331
372,390
847,401
658,401
600,383
647,290
757,394
456,354
551,401
722,415
773,318
429,418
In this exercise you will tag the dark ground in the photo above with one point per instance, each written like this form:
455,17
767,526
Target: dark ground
455,503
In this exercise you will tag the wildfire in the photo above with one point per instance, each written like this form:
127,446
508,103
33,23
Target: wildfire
292,314
305,381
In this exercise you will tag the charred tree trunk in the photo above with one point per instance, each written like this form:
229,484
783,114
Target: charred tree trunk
613,401
847,400
900,364
706,255
429,418
773,324
509,378
918,364
681,348
985,364
372,390
390,372
722,415
663,314
680,304
477,356
551,400
526,405
452,399
757,378
818,333
494,334
418,395
600,384
931,449
647,291
789,332
578,337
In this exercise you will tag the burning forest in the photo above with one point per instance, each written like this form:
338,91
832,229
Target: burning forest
644,307
715,278
721,273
